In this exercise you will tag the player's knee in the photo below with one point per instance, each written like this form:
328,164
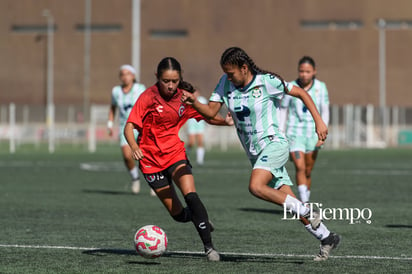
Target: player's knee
191,198
183,217
255,189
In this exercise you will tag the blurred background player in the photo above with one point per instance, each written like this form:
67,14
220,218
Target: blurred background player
252,96
158,115
300,126
196,131
124,97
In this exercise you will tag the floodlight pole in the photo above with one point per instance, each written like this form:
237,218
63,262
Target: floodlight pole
50,78
136,19
382,77
87,46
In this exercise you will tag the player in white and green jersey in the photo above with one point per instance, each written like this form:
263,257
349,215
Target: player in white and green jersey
300,127
253,96
124,97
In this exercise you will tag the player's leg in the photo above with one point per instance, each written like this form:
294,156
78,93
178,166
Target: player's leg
299,160
200,150
129,162
297,154
284,196
162,185
182,176
131,167
328,240
312,148
310,159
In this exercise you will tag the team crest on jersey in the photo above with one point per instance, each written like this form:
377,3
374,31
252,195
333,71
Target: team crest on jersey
181,109
150,178
256,92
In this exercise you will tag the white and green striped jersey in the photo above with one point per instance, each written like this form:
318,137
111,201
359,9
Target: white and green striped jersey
125,101
254,109
299,120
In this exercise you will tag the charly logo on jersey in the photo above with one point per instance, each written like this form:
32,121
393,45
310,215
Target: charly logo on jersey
256,92
181,109
159,109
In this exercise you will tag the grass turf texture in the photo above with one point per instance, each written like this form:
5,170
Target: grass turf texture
49,200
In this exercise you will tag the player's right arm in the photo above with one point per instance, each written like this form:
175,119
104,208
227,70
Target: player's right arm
128,133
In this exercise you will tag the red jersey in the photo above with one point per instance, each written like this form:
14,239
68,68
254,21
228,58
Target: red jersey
158,122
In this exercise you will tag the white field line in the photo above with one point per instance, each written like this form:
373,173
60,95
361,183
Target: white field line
271,255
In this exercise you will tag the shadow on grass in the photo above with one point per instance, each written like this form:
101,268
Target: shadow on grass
399,226
107,192
234,257
102,251
194,255
263,210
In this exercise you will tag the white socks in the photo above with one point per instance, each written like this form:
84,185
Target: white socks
304,193
320,233
200,155
134,172
295,206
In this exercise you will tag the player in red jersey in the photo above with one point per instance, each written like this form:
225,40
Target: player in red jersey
158,115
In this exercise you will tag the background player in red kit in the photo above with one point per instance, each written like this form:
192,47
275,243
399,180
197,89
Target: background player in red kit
158,115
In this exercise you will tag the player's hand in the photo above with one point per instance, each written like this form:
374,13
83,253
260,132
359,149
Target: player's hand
137,153
229,119
321,130
319,143
188,98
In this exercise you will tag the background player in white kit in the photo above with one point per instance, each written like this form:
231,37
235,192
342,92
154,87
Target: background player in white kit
124,97
300,127
196,131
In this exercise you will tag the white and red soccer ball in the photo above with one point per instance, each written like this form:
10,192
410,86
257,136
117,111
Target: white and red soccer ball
150,241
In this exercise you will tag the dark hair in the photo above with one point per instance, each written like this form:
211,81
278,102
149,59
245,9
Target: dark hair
307,60
238,57
170,63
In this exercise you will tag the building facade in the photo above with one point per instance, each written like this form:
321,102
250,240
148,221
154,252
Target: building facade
342,37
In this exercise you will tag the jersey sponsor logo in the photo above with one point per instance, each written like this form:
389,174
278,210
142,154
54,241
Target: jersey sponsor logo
181,110
127,107
159,109
264,158
256,92
242,112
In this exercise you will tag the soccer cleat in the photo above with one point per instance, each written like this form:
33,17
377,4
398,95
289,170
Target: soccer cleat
212,255
136,186
326,246
314,219
152,193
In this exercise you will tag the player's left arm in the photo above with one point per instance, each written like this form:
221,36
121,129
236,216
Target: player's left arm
324,107
321,128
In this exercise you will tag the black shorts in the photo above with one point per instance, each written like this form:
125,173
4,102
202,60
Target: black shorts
164,177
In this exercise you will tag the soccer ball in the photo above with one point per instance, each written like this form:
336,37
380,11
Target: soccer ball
150,241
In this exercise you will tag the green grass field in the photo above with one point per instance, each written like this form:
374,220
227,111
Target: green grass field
58,217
